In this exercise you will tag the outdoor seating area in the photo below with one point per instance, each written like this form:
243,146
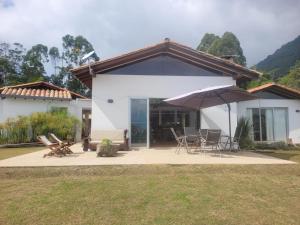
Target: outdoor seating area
204,140
138,156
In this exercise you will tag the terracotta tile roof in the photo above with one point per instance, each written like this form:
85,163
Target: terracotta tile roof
35,93
38,89
278,88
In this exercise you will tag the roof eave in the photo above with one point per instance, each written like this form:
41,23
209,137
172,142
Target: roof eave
82,73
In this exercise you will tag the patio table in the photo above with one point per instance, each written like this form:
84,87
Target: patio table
196,141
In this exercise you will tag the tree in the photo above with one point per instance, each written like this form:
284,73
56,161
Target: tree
59,79
54,57
292,79
74,49
228,44
265,78
11,59
33,65
19,66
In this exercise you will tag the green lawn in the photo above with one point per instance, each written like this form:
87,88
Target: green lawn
11,152
153,194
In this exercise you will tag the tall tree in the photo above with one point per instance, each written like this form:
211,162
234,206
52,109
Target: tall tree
227,45
74,48
54,57
11,59
33,65
58,78
18,65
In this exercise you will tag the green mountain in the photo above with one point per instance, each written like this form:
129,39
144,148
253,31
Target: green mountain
279,63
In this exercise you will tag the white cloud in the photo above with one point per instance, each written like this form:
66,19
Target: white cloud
118,26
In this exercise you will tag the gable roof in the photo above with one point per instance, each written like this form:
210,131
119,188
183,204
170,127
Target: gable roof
169,48
277,89
40,89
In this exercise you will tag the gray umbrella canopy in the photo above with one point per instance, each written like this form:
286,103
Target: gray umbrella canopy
212,96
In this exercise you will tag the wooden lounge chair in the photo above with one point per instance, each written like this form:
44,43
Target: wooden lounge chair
55,148
61,143
56,139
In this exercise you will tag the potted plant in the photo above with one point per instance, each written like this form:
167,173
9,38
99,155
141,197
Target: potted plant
106,148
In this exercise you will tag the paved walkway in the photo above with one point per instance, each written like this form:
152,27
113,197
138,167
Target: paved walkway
140,156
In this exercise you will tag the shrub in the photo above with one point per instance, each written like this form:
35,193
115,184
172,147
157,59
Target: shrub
24,129
244,125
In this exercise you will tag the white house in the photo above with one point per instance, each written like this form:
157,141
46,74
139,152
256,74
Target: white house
25,99
127,91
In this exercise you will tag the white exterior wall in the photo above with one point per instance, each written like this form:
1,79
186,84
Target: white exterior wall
16,107
293,116
11,107
76,106
121,88
217,118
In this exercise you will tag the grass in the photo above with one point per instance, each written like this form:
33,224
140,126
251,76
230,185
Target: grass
283,154
11,152
152,194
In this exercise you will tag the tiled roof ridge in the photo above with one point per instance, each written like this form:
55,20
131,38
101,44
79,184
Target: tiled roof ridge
36,93
32,85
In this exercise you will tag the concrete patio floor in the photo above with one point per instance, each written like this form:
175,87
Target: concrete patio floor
138,156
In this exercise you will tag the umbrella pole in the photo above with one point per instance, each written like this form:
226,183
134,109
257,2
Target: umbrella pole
229,118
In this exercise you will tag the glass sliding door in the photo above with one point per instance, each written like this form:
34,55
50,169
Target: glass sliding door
266,117
280,125
268,124
139,112
254,118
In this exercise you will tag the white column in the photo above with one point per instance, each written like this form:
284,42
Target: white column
148,123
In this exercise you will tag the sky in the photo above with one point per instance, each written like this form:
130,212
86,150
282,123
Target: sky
118,26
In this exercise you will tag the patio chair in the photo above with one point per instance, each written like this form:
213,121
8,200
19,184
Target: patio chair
55,148
203,133
212,140
235,140
192,136
181,141
61,143
189,131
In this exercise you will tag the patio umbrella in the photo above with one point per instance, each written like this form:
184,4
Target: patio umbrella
212,96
